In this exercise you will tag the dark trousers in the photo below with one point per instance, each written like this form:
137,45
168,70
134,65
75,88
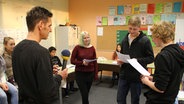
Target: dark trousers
123,88
84,81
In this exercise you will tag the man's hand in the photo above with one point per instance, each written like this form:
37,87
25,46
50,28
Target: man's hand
55,69
63,73
119,62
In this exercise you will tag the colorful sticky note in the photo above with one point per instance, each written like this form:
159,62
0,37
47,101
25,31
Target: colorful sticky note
143,19
156,18
149,19
143,8
169,17
128,9
135,8
110,20
177,7
112,11
98,20
122,20
116,20
120,10
127,19
119,20
151,8
104,21
182,10
168,6
159,8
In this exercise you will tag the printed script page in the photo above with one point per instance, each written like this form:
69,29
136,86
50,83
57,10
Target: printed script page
138,67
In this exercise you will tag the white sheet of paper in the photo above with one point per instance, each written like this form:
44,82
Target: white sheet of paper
99,31
123,57
181,95
90,60
138,67
71,68
63,83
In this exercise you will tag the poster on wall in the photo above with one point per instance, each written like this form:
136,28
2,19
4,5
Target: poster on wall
112,11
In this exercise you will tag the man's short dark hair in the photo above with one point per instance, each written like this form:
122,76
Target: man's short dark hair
35,15
52,48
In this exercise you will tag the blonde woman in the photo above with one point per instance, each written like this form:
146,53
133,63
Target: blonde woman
85,71
9,45
169,66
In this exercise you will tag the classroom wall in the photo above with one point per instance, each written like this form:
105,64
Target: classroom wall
81,12
84,12
13,13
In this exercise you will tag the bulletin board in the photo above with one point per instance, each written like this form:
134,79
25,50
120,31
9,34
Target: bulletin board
119,15
108,40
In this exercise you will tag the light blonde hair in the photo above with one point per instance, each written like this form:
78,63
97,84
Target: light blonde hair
6,39
81,39
164,31
134,21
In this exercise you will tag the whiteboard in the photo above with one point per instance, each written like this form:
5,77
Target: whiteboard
20,34
179,33
17,34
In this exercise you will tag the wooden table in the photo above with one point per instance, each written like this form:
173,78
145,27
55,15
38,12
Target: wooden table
111,65
108,65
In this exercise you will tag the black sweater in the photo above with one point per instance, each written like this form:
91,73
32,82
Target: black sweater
139,49
33,73
169,68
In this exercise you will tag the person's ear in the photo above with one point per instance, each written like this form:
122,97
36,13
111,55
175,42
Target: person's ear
40,25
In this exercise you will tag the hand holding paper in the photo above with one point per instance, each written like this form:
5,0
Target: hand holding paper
123,57
133,62
89,60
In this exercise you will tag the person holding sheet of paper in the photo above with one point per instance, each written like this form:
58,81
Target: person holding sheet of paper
86,69
137,45
32,68
169,66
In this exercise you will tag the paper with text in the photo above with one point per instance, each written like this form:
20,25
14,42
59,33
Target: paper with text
123,57
89,60
138,67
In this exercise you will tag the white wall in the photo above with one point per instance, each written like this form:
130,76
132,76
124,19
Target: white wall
13,12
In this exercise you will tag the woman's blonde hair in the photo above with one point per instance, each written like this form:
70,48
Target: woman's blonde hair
6,39
164,31
82,34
